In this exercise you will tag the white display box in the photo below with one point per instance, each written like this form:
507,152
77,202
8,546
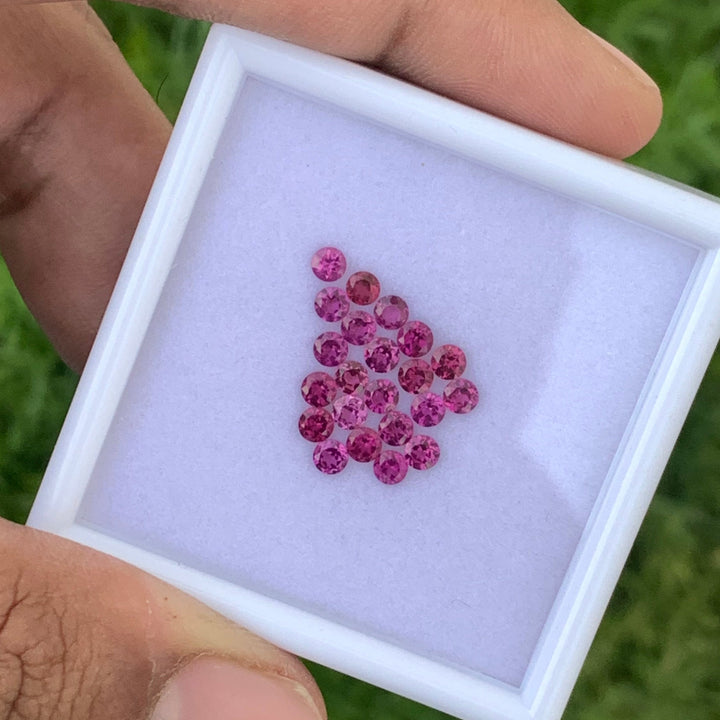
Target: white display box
586,294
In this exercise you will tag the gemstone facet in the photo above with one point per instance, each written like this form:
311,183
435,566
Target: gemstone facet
381,395
390,467
427,409
318,389
330,349
391,312
363,288
461,396
415,339
415,376
316,424
351,376
395,428
364,444
332,304
422,452
448,362
328,264
349,411
358,327
330,456
382,355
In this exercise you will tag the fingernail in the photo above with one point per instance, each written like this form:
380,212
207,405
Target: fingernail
216,689
639,74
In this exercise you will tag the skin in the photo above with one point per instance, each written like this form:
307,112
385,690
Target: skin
85,636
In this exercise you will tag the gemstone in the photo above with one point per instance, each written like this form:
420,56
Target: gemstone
350,376
349,411
358,328
328,264
415,339
391,312
448,362
316,424
461,396
382,355
427,409
363,288
395,427
390,467
330,349
364,444
381,395
330,456
415,376
422,452
318,389
332,304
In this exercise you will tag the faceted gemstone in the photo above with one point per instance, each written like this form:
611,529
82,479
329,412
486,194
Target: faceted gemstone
358,328
351,376
364,444
316,424
363,288
318,389
349,411
328,264
330,349
415,339
448,362
381,395
391,312
415,376
427,409
330,456
382,355
422,452
390,467
395,428
461,396
332,304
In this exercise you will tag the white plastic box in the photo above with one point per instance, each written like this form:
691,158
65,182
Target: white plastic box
585,293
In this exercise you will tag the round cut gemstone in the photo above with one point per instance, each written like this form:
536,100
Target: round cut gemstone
448,362
427,409
318,389
382,355
332,304
349,411
391,312
422,452
395,428
351,376
364,444
415,376
415,339
328,264
316,424
358,328
330,349
390,467
461,396
381,395
363,288
330,456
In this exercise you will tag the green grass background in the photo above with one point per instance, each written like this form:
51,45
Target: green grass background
657,654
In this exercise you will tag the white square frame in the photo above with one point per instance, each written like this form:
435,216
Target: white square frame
690,216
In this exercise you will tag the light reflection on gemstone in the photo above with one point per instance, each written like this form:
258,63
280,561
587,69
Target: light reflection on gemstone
427,409
382,355
318,389
422,452
390,467
415,376
395,428
332,304
448,362
358,327
461,396
328,264
415,339
381,395
391,312
330,456
363,288
351,376
330,349
316,424
364,444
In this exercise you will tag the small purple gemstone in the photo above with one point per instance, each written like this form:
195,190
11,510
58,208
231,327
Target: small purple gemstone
316,424
395,428
358,328
381,395
349,411
328,264
427,409
448,362
390,467
422,452
318,389
391,312
364,444
330,457
415,339
351,376
363,288
461,396
332,304
330,349
382,355
415,376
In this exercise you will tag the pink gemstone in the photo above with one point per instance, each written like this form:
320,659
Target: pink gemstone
351,376
381,395
427,409
330,456
461,396
415,339
364,444
391,312
395,428
318,389
332,304
448,362
422,452
316,424
330,349
382,355
363,288
358,328
328,264
415,376
349,411
390,467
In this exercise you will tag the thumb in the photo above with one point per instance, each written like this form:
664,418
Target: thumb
83,635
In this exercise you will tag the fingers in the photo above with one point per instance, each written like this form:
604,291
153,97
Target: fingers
85,636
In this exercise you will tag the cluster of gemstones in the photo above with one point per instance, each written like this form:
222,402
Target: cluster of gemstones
354,391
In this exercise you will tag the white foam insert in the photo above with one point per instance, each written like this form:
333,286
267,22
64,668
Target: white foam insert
560,307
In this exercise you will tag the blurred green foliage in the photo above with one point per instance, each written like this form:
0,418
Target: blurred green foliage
657,655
